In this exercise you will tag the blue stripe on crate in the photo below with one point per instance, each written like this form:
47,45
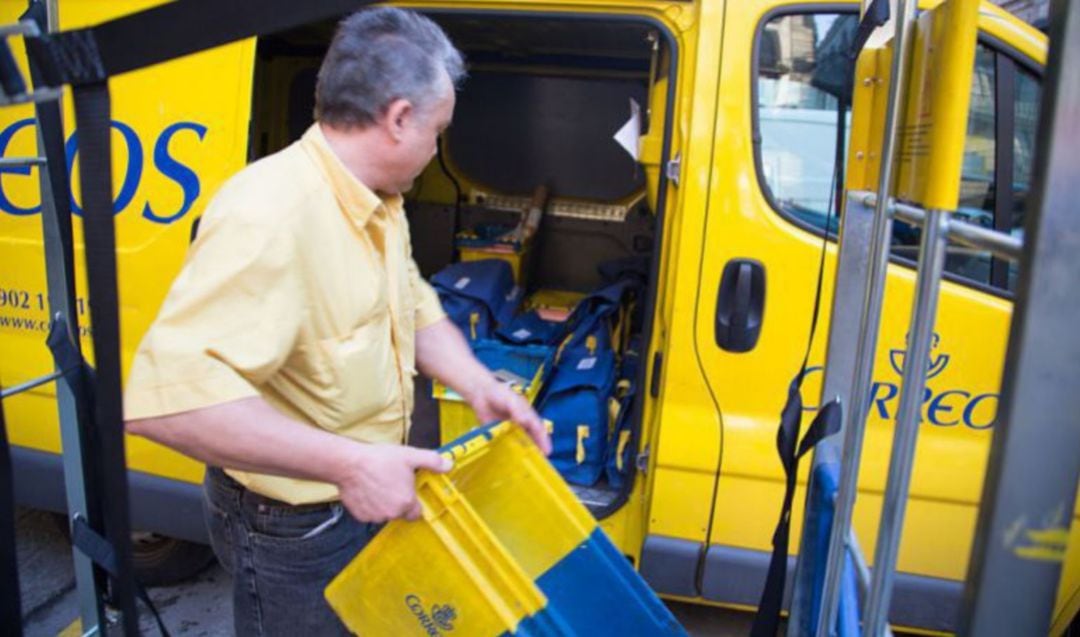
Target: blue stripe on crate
483,430
595,591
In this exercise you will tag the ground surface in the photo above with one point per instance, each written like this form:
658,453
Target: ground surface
200,607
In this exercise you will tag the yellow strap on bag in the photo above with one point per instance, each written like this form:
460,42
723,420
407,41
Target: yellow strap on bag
474,320
582,436
562,346
613,410
624,439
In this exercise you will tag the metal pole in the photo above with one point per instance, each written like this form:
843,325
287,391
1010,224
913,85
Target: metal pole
924,311
852,264
30,384
855,414
1030,489
21,161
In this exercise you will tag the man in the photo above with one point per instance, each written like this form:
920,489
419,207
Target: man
286,348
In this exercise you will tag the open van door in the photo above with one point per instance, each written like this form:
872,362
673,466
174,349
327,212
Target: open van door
769,210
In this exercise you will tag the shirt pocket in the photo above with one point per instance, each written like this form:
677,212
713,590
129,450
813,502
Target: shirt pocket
362,375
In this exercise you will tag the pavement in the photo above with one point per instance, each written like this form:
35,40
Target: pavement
200,607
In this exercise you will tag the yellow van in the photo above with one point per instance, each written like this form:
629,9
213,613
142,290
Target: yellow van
726,157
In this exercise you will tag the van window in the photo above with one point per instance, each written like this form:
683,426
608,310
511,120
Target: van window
1026,100
798,61
801,72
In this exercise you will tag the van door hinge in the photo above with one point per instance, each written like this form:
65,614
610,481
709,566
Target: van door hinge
674,166
641,463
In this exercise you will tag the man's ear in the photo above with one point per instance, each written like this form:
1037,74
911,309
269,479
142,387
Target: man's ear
398,118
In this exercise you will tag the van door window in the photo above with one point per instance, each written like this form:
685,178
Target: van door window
800,73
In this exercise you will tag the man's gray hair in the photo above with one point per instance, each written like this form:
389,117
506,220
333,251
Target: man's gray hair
378,56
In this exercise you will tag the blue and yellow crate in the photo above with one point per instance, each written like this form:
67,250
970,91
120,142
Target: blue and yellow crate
503,548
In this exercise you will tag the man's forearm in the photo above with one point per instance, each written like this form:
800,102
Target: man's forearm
250,435
443,353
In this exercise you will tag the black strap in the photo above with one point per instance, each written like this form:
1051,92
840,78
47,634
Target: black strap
826,423
51,132
106,437
81,378
10,610
11,80
877,14
102,553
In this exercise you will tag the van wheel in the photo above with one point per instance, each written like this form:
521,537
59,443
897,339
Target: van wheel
159,560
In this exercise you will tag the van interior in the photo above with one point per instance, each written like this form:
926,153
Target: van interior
541,105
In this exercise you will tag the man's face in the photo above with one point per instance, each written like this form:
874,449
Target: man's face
420,134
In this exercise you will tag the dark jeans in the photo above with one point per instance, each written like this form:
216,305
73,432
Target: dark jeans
281,557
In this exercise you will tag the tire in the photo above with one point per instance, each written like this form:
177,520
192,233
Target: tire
160,560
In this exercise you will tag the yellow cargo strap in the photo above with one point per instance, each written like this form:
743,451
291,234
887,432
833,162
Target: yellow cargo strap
624,439
562,346
474,320
613,410
582,436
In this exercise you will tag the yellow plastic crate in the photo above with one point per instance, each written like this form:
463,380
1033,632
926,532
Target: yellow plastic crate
524,366
503,547
516,257
553,304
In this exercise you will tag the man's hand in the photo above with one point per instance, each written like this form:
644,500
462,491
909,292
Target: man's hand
379,483
443,354
493,400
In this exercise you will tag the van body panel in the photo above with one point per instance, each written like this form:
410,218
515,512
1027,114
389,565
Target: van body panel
173,148
711,483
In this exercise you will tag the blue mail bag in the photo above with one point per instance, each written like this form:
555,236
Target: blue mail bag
597,314
530,329
478,295
575,402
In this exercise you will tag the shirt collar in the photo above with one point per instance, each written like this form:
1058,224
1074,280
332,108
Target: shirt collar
357,201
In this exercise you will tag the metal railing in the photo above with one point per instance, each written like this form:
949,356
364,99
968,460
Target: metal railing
997,243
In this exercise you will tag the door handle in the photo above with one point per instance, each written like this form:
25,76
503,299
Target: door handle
740,305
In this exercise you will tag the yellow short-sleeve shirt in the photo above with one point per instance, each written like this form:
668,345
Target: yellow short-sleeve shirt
301,289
